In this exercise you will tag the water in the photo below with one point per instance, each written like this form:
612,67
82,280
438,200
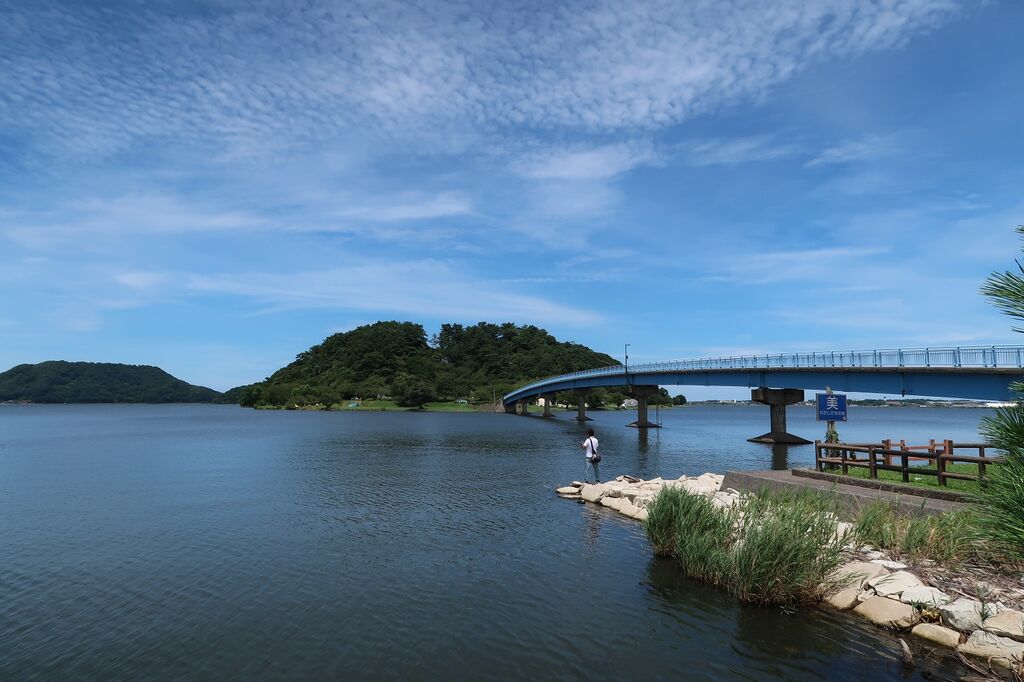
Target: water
204,542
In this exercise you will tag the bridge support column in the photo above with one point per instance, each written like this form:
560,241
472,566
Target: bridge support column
581,406
548,399
777,399
525,406
510,408
642,393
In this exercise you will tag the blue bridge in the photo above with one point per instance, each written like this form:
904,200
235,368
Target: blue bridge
975,372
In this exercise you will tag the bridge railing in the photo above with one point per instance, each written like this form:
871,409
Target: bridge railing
1010,357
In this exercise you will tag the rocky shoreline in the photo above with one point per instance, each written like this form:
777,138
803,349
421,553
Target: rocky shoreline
945,607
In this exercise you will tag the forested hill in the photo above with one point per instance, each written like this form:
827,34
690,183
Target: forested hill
396,360
58,381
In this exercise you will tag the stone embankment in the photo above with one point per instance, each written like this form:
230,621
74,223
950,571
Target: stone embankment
873,586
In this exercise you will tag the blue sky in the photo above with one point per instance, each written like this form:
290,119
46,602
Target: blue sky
212,187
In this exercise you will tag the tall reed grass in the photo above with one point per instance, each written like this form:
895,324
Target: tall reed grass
767,549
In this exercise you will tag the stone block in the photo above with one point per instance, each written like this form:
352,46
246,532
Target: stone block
929,596
894,583
997,650
887,613
1006,623
858,572
937,634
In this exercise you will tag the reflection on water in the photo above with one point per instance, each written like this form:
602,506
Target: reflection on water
199,541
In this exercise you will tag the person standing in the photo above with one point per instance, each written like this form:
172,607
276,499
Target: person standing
590,453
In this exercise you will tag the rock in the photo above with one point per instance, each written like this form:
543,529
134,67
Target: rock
937,634
964,614
576,484
929,596
844,599
858,572
993,648
891,565
593,493
567,490
698,486
872,555
628,508
842,530
866,594
894,583
724,500
887,613
1006,623
611,502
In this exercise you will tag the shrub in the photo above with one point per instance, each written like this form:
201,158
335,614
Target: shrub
770,549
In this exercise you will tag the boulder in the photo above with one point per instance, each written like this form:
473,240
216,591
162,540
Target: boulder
929,596
993,648
964,614
937,634
858,573
844,599
612,502
894,583
627,508
576,484
699,486
887,613
842,530
593,493
567,490
724,500
1006,623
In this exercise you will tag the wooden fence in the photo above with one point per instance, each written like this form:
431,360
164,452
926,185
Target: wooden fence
880,457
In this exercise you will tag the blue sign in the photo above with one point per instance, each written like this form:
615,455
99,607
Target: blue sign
831,407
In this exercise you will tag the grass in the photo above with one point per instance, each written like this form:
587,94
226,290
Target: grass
924,480
947,538
775,548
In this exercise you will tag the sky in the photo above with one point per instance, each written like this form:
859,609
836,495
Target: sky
213,187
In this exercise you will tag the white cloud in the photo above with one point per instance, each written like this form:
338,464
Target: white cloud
84,85
418,288
732,151
862,149
592,163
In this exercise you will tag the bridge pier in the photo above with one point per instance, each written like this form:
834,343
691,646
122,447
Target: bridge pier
548,399
581,406
510,408
777,399
642,393
525,407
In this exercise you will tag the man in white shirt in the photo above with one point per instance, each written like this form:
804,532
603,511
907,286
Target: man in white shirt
590,452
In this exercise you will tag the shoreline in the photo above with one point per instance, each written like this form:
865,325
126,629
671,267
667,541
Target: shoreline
965,609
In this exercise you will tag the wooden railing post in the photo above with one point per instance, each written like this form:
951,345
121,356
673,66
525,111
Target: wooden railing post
872,471
887,445
817,456
905,464
981,466
842,457
940,461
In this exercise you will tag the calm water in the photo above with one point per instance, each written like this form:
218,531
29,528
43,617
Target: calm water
203,542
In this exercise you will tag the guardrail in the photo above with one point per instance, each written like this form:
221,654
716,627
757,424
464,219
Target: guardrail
844,456
1009,357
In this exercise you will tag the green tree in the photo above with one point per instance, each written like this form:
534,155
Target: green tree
1000,502
679,399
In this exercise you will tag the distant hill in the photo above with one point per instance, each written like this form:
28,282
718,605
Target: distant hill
396,360
58,381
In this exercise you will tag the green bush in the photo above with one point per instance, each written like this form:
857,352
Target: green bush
782,552
999,502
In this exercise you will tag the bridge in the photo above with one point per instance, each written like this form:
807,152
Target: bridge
778,380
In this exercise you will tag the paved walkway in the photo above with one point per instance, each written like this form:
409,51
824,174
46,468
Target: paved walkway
851,495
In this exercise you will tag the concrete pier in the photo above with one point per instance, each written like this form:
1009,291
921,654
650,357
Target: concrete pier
581,406
525,407
777,399
548,398
642,393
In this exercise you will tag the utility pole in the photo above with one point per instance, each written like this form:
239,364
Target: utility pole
625,351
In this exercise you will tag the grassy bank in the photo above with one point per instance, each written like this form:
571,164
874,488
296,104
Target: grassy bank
923,480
